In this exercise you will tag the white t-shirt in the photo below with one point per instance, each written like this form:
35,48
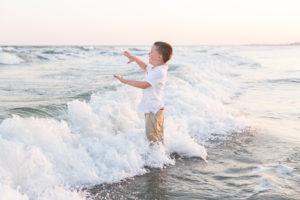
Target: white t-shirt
152,96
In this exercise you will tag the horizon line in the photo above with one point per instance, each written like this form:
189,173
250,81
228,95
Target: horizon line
249,44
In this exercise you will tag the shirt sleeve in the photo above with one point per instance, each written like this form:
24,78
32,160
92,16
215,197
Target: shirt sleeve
148,67
156,77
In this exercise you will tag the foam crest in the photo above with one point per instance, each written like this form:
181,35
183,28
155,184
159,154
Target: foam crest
83,119
9,59
8,193
197,104
38,155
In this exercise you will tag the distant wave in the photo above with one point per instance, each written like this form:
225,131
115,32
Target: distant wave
30,54
9,59
285,80
52,52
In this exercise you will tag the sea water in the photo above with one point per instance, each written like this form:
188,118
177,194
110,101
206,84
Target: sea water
69,130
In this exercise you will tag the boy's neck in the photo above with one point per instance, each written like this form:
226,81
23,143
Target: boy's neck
158,64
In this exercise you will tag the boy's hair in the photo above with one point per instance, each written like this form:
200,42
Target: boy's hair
165,50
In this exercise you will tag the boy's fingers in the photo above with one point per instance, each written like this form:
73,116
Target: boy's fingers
117,77
126,53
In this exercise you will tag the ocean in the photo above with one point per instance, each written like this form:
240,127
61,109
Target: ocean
69,130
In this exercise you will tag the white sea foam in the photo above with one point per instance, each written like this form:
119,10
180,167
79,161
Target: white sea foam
9,59
8,48
9,193
103,140
38,155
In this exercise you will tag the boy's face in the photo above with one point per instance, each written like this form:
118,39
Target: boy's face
155,58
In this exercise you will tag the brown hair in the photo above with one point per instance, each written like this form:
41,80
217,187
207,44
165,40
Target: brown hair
165,50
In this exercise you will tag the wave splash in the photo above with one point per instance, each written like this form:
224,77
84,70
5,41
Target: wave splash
103,140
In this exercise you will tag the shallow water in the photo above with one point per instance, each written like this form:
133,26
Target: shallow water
68,130
243,167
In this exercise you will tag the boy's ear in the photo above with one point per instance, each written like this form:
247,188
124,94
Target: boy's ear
160,56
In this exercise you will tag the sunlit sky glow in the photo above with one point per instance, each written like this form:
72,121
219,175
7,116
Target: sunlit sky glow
140,22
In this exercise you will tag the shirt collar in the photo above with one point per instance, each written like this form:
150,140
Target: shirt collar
153,67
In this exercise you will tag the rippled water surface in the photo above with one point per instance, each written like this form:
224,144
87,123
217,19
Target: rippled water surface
68,130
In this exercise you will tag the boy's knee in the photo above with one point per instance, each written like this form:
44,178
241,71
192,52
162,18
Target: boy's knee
155,137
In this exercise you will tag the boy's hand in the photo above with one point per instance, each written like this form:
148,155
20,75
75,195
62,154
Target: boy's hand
129,56
122,80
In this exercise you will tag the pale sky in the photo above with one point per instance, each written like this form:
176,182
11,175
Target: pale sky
141,22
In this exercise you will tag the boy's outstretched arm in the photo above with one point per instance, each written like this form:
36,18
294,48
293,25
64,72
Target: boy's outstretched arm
138,84
132,58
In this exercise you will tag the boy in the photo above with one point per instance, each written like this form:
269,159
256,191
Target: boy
151,104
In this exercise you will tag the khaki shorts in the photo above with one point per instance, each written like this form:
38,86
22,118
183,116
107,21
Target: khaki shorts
155,126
